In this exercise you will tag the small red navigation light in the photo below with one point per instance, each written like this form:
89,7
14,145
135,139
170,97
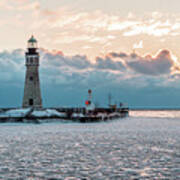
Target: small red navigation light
88,102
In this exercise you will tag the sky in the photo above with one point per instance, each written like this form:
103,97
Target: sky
127,48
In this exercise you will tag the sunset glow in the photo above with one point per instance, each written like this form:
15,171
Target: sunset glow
92,31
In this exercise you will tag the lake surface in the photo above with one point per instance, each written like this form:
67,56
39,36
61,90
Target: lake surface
145,145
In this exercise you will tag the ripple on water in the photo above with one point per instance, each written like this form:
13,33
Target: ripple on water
132,148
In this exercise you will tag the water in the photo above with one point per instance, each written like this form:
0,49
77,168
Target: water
145,145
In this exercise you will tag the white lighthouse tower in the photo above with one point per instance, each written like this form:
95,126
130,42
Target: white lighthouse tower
32,91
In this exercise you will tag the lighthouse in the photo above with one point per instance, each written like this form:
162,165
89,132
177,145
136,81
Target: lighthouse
32,91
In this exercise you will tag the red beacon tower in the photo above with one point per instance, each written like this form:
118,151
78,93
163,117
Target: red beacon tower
89,104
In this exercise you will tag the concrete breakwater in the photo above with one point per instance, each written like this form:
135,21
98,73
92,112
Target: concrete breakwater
73,114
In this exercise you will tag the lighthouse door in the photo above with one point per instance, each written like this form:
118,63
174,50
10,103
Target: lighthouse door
31,102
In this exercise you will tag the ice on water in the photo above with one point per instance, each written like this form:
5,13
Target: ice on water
133,148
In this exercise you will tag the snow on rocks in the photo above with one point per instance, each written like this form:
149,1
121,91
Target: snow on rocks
15,113
20,113
114,114
47,113
77,115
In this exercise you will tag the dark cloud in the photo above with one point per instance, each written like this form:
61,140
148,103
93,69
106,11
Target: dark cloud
161,64
54,62
11,66
58,59
120,55
148,65
108,64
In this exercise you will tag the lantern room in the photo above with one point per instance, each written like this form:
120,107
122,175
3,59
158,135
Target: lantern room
32,43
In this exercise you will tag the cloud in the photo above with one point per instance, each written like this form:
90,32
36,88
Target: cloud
108,64
154,29
155,24
138,45
63,27
121,25
162,63
11,65
55,64
58,60
120,55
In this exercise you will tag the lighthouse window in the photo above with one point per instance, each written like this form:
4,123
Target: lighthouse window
31,78
31,60
31,102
